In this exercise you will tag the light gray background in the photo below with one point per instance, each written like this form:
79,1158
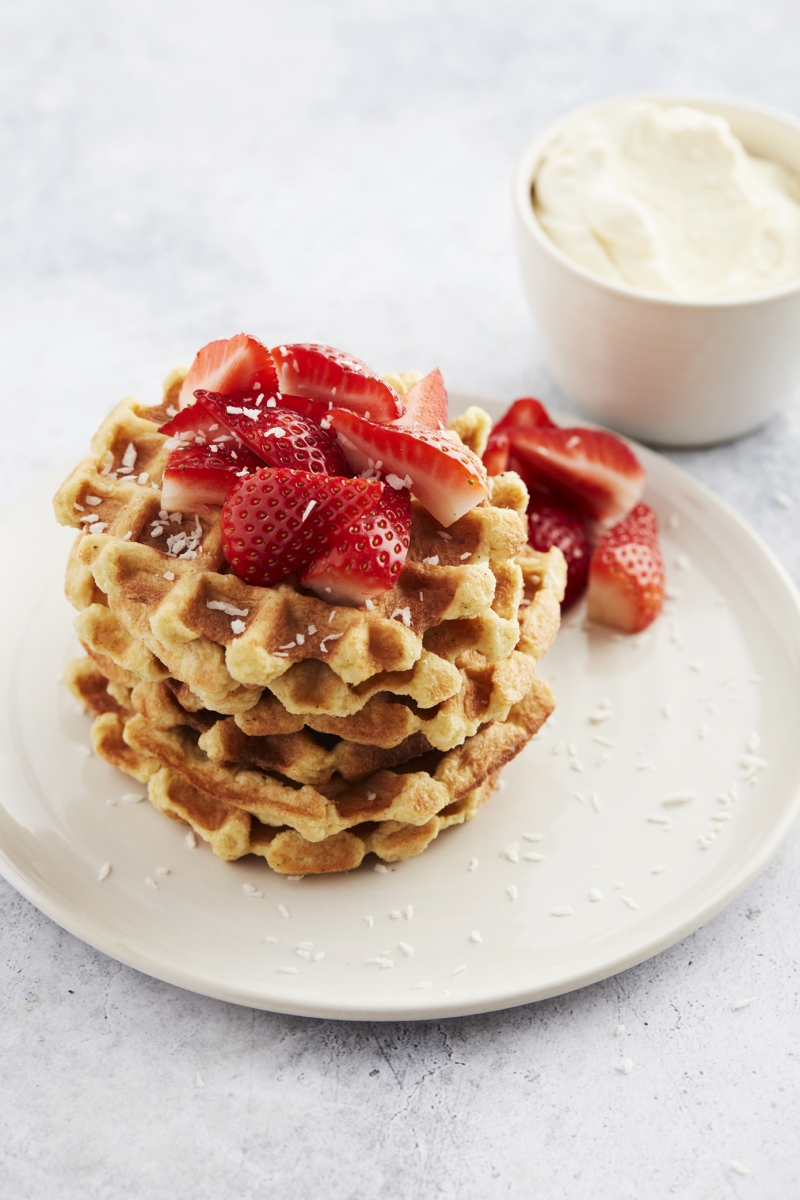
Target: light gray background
174,172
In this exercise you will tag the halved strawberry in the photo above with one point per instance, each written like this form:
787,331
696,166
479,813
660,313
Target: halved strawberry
587,468
277,521
426,403
548,526
626,575
368,555
196,476
446,477
240,363
281,438
323,373
525,413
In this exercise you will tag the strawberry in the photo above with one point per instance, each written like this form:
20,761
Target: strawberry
199,475
426,403
278,521
626,575
523,414
316,409
240,363
192,424
495,456
323,373
446,477
368,555
548,526
586,469
280,437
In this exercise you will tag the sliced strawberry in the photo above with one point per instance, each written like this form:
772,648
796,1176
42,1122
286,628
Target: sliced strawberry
323,373
280,437
277,522
587,468
196,423
199,475
446,477
240,363
525,414
368,556
548,526
626,575
495,456
316,409
426,403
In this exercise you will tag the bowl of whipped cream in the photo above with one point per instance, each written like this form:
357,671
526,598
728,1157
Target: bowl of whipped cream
659,240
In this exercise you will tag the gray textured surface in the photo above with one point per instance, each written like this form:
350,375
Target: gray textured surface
174,172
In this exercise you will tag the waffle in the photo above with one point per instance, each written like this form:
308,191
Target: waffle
321,733
167,585
200,769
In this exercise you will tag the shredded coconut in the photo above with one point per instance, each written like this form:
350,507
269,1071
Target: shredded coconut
329,637
229,609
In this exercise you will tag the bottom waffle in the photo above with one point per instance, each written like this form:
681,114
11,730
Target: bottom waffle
393,807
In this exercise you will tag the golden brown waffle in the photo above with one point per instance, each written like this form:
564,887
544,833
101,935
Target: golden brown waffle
305,828
371,714
157,576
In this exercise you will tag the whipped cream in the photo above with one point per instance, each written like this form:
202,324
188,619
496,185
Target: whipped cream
666,198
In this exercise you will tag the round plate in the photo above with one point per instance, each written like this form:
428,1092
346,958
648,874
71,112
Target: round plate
661,787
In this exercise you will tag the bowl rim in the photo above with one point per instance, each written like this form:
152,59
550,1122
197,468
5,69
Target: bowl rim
530,156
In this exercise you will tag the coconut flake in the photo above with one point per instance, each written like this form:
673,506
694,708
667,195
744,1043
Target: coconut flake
230,610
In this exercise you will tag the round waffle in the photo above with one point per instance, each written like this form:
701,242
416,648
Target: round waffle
230,788
164,579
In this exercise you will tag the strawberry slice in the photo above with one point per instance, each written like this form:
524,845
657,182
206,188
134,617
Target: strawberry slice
496,454
240,363
525,413
280,437
626,575
368,555
193,424
323,373
278,521
446,477
548,526
586,469
426,404
196,476
317,410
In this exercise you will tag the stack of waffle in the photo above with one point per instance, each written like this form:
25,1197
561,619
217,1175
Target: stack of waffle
273,722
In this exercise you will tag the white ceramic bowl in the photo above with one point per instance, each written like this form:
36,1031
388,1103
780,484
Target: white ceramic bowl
664,370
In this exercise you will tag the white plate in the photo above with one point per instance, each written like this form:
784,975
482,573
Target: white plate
725,658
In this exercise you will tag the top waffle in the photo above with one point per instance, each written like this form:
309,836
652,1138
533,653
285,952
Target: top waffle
163,581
